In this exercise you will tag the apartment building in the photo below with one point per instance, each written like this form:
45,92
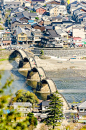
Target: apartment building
58,10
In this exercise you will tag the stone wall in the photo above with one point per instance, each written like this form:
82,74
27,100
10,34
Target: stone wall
62,52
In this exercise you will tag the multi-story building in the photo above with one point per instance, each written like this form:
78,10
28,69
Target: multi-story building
79,31
58,10
6,38
37,35
50,39
24,36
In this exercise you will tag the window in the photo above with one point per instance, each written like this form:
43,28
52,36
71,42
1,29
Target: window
8,34
81,110
22,34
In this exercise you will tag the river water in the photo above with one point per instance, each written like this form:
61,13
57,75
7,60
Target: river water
71,83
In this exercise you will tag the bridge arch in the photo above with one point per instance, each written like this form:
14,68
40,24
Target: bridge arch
31,61
24,59
46,86
36,73
21,52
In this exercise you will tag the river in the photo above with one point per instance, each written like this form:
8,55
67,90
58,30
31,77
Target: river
72,84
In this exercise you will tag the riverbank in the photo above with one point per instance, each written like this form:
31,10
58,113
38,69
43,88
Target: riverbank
52,65
56,64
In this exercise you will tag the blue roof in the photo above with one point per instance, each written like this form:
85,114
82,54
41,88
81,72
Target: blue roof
33,23
30,21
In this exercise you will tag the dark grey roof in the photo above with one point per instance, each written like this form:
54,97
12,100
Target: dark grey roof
25,14
15,19
49,27
18,9
45,103
54,18
38,1
69,26
53,33
36,24
20,30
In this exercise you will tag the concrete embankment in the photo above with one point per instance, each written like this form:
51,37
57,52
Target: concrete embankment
61,52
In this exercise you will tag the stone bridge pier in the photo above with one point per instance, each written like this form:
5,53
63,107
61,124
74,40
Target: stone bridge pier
46,86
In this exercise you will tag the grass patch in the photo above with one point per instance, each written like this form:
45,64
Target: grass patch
3,59
2,49
44,57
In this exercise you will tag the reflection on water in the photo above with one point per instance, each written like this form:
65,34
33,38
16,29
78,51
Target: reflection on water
20,82
33,84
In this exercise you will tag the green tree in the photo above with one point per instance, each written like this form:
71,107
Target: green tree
55,110
32,119
37,18
42,52
12,120
25,96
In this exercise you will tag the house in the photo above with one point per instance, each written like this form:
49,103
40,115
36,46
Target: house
21,35
38,1
1,32
82,108
24,36
73,6
38,26
15,21
6,38
27,4
79,31
55,2
21,1
37,35
78,41
58,10
16,10
63,23
50,39
63,34
28,26
40,10
78,11
23,17
41,22
56,19
24,107
44,105
13,4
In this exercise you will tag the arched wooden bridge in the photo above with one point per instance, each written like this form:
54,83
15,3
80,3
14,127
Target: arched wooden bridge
35,73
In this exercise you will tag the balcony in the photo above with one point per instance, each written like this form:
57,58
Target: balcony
21,39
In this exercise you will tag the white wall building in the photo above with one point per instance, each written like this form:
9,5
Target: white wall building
79,32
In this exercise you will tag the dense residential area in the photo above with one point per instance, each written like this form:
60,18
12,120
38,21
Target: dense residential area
43,23
40,38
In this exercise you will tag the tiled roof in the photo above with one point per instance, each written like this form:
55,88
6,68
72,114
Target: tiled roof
82,105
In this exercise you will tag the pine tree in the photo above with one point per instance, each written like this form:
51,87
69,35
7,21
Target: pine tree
55,110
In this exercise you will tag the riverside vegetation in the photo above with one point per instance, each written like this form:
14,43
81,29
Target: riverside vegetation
8,120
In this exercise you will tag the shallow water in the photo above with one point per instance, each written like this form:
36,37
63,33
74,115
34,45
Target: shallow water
71,83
